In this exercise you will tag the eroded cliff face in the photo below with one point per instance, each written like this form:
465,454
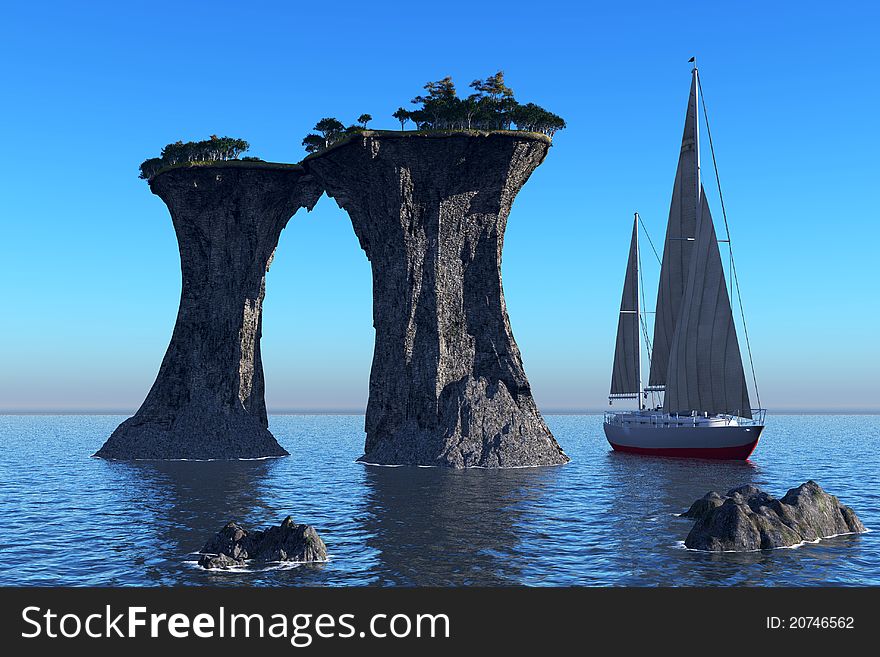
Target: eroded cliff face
207,401
447,385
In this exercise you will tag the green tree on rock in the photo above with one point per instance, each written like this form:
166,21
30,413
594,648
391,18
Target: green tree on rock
150,167
403,116
534,118
439,106
213,149
313,143
330,129
493,87
495,102
491,106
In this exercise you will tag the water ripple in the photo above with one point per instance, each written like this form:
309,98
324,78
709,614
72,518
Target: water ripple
604,519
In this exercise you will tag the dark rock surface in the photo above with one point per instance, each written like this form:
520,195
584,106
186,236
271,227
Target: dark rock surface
234,546
219,561
207,401
705,505
749,519
447,385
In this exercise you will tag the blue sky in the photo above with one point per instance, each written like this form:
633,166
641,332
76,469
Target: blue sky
89,264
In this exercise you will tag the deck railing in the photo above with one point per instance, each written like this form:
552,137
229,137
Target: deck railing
660,419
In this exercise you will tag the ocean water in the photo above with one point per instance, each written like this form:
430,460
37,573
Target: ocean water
604,519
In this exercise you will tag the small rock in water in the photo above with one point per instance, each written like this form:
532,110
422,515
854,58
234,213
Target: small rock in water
748,519
234,546
704,506
218,561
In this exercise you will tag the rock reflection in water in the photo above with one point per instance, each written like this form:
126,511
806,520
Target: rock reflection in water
443,527
184,503
603,519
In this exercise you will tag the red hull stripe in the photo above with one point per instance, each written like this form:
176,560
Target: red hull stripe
740,452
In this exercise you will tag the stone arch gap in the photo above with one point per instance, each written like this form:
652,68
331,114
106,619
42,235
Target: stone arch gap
317,316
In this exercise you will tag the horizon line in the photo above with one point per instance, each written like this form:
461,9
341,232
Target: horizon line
361,411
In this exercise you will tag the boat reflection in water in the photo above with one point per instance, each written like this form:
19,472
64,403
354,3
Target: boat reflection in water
648,494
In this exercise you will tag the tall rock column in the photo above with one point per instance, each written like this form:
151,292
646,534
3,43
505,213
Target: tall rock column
207,401
447,385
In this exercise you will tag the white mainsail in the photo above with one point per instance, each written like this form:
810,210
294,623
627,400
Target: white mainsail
680,231
626,375
705,365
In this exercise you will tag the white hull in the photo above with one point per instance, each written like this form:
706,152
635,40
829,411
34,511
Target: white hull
712,438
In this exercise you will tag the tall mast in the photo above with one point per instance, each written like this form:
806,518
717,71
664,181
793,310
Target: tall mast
638,309
626,377
699,194
681,228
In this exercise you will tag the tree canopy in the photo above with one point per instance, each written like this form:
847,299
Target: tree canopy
490,106
533,118
212,149
329,130
401,115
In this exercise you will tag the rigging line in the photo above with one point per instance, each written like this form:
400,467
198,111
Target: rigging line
649,241
729,243
643,320
641,314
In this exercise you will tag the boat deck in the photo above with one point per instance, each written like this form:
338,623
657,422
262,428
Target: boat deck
659,419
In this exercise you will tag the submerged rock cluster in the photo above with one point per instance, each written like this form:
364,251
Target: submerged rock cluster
748,519
234,546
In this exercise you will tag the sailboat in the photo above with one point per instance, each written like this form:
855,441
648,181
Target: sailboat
696,366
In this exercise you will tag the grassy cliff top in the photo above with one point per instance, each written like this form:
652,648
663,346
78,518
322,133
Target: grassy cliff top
229,164
384,134
431,134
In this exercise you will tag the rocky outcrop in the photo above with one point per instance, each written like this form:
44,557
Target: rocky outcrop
207,401
748,519
235,546
708,503
447,385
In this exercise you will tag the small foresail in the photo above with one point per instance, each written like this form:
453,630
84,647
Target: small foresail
705,365
678,246
626,377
